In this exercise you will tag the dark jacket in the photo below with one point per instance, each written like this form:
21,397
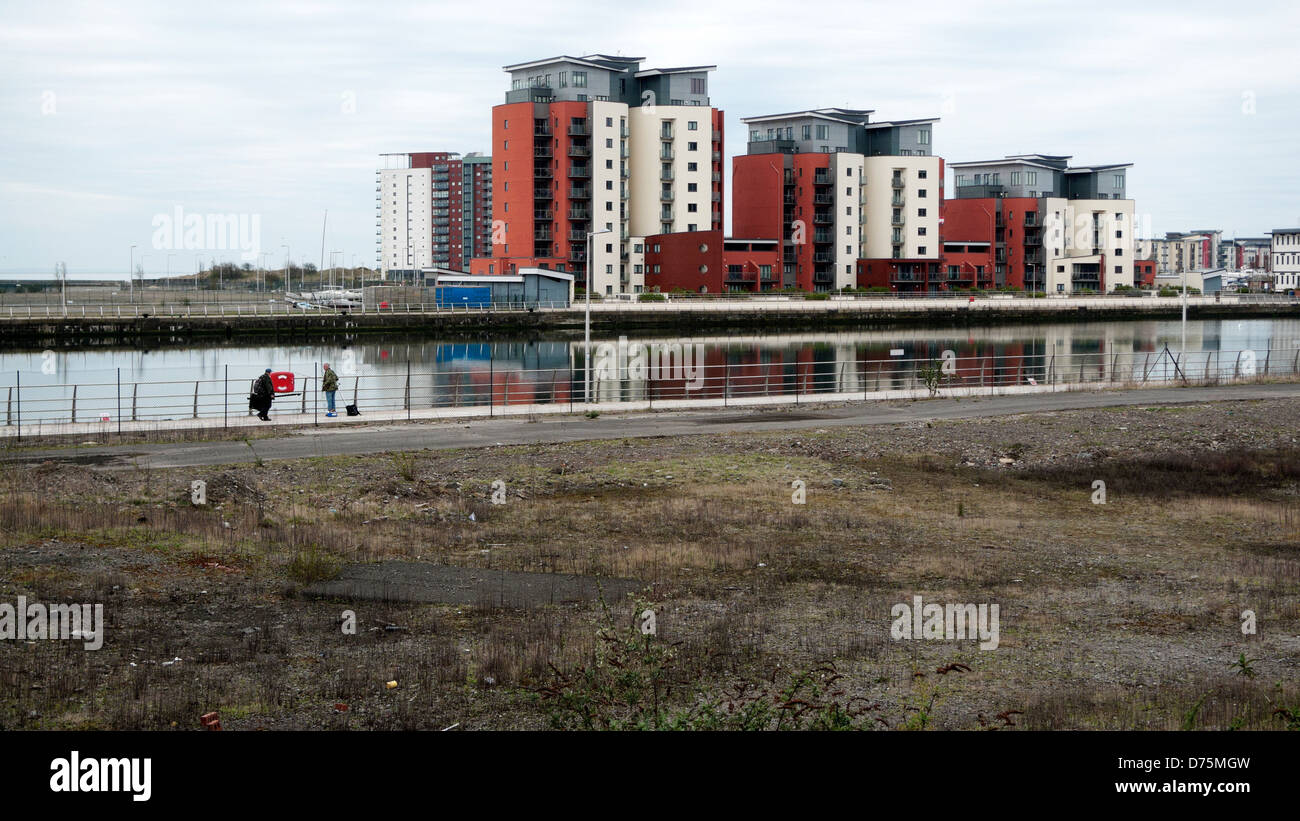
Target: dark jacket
330,382
263,393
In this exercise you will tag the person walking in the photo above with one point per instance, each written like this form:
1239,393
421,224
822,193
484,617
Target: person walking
262,396
329,384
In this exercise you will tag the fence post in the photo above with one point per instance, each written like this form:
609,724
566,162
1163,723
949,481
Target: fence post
306,386
135,387
726,382
315,399
9,407
225,399
18,376
74,404
196,399
491,378
406,395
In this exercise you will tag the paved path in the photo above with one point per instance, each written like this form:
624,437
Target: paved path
518,431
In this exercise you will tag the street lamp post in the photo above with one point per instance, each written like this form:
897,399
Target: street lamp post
287,280
130,275
586,390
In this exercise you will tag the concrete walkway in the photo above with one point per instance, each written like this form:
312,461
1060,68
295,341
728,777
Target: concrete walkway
518,428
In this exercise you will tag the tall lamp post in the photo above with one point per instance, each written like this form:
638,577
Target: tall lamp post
586,388
130,275
287,280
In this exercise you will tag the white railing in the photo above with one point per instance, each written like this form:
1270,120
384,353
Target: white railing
486,386
672,303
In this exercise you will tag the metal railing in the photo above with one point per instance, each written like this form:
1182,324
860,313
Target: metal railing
660,374
917,300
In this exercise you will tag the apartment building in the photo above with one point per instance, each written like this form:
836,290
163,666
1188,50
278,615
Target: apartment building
598,146
1032,221
839,192
433,210
1286,258
1180,252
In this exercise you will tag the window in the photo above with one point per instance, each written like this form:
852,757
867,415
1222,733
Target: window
1119,216
920,192
1119,252
921,174
1119,269
691,207
564,79
753,135
692,125
920,250
692,166
823,132
690,186
579,79
1119,180
506,144
1031,178
636,247
692,146
807,132
920,232
920,212
690,226
1015,177
609,206
923,137
698,86
609,185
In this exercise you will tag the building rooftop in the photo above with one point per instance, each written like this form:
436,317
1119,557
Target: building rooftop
851,116
592,60
654,72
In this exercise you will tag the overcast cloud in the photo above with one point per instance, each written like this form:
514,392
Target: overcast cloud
110,115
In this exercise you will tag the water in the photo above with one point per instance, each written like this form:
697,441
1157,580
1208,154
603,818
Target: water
446,373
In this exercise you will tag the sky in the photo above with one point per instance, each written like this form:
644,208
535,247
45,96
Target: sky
114,115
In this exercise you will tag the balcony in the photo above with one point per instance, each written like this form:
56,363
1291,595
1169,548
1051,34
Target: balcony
580,193
579,171
666,154
542,216
543,152
717,156
820,177
823,257
577,236
717,176
666,196
897,201
717,135
898,182
666,131
577,213
823,199
582,130
897,219
543,194
579,151
666,174
541,130
542,234
823,219
541,173
717,196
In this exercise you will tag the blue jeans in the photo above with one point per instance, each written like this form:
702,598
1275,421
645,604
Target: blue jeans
329,400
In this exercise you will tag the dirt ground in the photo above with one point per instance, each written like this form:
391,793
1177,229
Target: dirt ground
266,605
